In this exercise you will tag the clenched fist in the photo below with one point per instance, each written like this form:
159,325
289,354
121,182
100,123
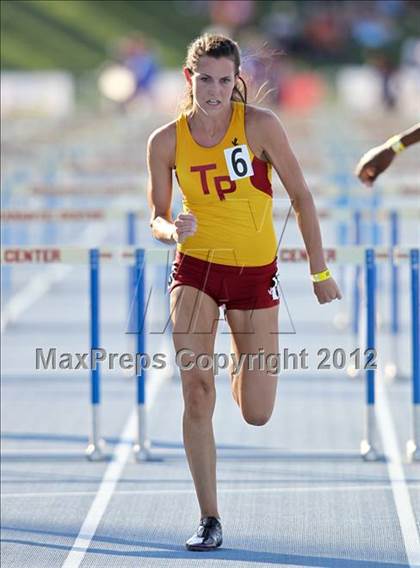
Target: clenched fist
373,163
185,226
327,291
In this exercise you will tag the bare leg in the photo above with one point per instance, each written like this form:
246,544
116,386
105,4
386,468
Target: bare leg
201,454
195,316
254,390
234,383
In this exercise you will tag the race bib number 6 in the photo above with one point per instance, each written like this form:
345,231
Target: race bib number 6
238,162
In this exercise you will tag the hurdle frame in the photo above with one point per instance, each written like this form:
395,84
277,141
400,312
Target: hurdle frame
95,450
413,445
141,448
368,445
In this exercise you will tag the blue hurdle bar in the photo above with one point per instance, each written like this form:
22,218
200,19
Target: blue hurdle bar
342,237
142,447
131,241
413,445
393,219
368,445
375,202
357,218
96,446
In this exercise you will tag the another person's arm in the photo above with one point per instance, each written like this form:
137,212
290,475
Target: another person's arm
377,159
276,147
160,155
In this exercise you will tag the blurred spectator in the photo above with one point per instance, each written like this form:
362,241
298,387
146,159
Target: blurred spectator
132,74
135,55
410,53
387,72
231,14
324,35
372,30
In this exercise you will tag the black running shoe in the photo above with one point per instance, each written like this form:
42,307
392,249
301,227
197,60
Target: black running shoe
208,535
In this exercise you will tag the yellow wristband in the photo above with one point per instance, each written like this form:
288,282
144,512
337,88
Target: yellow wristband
321,276
395,144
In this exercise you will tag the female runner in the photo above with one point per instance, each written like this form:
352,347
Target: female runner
223,151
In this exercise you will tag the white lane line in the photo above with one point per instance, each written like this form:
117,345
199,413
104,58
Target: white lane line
257,452
110,479
106,489
406,517
59,452
44,451
251,490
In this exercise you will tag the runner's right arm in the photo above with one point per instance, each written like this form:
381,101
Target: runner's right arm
160,163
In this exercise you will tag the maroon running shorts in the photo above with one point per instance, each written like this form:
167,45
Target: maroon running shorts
236,287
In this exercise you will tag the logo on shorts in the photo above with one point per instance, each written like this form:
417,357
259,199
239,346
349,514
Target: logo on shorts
274,291
172,275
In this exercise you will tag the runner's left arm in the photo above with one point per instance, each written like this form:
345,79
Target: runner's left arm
278,151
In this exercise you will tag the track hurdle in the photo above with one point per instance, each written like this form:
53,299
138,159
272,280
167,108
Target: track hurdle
94,258
74,215
96,446
131,218
394,241
141,258
86,187
359,255
141,448
11,216
392,219
327,188
413,445
368,446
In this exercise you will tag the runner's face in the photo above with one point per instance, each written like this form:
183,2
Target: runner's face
213,83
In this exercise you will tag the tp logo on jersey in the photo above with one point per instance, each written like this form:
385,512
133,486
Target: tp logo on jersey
238,162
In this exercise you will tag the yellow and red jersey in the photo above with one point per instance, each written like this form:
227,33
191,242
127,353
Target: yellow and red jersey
229,191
